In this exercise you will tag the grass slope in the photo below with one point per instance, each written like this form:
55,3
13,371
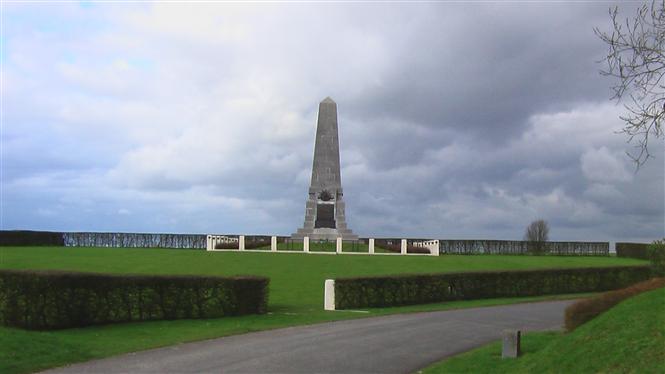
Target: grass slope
629,338
296,294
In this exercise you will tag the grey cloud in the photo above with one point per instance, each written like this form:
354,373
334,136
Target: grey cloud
488,70
456,120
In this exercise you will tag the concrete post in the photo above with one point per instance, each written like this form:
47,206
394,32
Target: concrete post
305,244
329,295
371,246
403,247
273,243
241,242
511,344
338,245
207,242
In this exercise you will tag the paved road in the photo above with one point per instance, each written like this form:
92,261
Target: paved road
390,344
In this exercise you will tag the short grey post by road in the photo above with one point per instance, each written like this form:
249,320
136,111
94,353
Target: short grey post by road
511,344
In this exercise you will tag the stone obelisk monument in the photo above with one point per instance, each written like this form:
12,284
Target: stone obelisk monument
324,209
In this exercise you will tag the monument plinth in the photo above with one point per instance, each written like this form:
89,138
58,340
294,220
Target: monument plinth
324,208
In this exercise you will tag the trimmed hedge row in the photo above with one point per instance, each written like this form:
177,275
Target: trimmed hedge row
520,247
248,245
410,248
587,309
58,299
632,250
134,240
31,238
656,255
396,290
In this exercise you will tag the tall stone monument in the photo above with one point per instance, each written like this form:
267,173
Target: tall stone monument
324,208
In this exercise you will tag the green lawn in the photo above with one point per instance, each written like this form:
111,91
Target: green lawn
296,294
629,338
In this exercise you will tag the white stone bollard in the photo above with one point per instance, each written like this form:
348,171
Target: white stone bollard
329,295
305,244
273,244
371,246
338,245
208,242
241,242
403,247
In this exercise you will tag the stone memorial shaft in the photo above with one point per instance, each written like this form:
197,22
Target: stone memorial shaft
324,208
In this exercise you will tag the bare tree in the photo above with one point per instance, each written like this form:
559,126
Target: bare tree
636,58
537,233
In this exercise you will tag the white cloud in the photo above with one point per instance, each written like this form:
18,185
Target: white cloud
599,165
124,212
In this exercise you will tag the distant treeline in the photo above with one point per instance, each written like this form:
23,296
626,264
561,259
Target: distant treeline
131,240
198,241
102,239
31,238
632,250
520,247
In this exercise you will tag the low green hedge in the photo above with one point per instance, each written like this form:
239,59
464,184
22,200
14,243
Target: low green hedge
410,248
586,309
386,291
632,250
656,255
58,299
31,238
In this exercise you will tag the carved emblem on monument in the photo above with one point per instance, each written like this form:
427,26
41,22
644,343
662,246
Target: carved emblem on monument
325,196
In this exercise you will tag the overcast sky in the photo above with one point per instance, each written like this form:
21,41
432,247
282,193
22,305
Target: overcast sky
457,121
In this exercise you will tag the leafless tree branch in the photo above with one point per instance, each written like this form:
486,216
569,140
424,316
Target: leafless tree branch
636,59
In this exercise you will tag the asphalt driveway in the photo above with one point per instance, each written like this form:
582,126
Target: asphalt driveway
400,343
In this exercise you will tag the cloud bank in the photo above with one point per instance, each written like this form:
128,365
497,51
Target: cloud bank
456,120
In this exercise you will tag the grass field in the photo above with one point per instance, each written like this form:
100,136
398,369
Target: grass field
296,294
629,338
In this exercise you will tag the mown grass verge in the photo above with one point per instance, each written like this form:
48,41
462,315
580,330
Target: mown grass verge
629,338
